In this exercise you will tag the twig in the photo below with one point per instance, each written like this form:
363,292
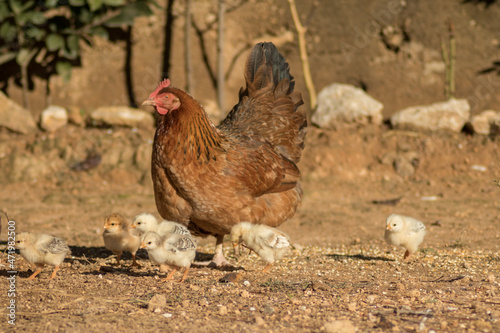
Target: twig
301,32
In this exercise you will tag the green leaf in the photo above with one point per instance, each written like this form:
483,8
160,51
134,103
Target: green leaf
31,17
51,3
128,14
4,11
63,69
6,57
73,46
114,3
54,42
8,31
77,3
25,55
35,33
99,31
95,4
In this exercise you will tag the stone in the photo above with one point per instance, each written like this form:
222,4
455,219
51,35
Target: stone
53,118
344,103
484,122
76,116
340,326
450,115
15,117
122,116
157,303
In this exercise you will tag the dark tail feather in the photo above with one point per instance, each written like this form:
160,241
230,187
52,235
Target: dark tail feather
261,56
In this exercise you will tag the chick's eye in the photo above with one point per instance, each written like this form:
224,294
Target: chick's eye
149,243
394,225
139,223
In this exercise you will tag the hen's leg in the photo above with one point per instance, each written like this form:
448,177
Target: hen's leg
219,259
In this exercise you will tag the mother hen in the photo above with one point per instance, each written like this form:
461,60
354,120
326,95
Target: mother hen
211,178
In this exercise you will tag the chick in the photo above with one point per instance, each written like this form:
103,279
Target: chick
269,243
172,249
41,249
147,222
405,231
118,237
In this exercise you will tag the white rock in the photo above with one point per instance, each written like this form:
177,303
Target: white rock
122,116
344,103
450,115
15,117
483,122
53,118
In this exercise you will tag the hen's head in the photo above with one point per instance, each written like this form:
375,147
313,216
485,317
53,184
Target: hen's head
162,99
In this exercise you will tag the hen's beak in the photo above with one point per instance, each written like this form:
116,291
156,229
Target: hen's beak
149,101
142,245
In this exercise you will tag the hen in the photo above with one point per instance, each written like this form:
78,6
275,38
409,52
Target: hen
210,178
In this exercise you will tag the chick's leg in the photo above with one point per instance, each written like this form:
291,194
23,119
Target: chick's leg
406,255
134,263
169,276
118,257
266,268
186,270
38,270
53,275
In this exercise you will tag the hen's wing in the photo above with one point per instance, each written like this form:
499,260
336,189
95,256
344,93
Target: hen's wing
267,108
54,245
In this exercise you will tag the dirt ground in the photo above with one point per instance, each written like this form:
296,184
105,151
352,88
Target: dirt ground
340,275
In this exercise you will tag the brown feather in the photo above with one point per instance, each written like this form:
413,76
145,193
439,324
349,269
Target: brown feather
212,178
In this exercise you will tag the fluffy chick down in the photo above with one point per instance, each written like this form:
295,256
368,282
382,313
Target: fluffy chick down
177,251
404,231
269,243
41,250
118,237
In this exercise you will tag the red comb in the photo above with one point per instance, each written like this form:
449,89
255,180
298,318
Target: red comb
163,84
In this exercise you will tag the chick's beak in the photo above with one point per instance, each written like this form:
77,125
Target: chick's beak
133,226
142,245
149,101
388,227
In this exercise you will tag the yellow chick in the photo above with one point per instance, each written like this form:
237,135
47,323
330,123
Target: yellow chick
147,222
177,251
404,231
118,237
269,243
41,249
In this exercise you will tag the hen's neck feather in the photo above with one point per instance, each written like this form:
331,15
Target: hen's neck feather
189,131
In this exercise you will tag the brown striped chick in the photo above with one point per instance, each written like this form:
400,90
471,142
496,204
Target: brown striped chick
147,222
404,231
41,250
269,243
177,251
118,237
